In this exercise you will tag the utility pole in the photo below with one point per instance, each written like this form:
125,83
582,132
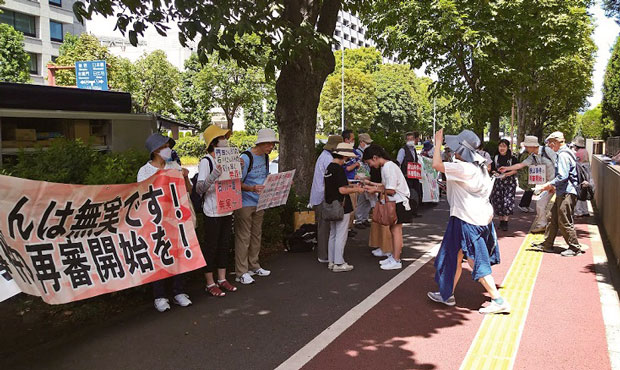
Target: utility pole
512,123
342,86
434,119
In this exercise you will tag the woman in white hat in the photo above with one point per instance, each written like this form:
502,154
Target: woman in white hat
470,231
337,188
160,148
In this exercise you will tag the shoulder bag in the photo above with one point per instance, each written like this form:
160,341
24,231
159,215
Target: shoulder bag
384,212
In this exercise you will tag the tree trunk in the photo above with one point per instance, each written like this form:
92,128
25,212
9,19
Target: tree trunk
299,89
522,112
229,121
494,128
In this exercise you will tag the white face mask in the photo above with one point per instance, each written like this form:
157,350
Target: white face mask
411,143
222,143
165,154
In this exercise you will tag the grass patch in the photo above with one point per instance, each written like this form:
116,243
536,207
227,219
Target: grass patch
187,160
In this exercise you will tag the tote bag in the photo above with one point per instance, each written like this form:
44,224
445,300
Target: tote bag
333,211
384,212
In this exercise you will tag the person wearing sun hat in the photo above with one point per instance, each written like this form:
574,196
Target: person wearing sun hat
249,221
539,155
218,226
337,188
470,230
317,195
160,149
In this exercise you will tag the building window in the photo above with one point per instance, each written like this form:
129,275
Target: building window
337,33
56,31
21,22
346,37
34,63
56,2
54,57
353,40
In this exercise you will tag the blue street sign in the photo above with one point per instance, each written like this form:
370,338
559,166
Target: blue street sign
92,75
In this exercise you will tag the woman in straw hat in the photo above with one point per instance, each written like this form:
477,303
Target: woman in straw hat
218,226
470,231
337,188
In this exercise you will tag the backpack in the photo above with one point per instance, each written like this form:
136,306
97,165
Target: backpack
302,240
198,199
585,190
251,164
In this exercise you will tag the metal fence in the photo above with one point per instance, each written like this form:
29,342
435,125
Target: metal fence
612,147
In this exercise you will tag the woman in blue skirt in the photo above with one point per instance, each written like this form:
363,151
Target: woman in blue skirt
470,231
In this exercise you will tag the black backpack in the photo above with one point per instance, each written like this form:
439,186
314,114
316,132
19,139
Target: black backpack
251,164
585,191
302,240
198,199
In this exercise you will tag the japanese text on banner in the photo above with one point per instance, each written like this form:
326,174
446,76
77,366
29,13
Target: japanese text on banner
537,174
228,195
277,188
70,242
227,160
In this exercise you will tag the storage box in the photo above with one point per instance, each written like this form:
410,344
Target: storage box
97,140
300,218
25,134
80,130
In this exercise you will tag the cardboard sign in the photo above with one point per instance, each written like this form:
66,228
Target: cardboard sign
537,174
277,188
430,184
414,171
228,195
227,160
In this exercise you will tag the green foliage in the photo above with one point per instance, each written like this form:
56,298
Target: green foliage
116,168
592,125
241,140
192,146
365,59
14,61
390,141
195,99
256,117
611,89
612,9
158,83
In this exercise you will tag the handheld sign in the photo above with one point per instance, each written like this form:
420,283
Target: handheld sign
536,174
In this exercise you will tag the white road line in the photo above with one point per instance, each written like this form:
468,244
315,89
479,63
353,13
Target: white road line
610,304
316,345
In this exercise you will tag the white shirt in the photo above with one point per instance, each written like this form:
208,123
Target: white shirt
468,192
149,170
392,178
209,207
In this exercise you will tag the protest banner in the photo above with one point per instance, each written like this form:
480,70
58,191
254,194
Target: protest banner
228,195
8,286
70,242
414,170
227,160
537,174
277,188
430,186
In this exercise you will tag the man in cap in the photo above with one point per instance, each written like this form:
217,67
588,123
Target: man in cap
365,201
539,155
249,221
565,185
317,195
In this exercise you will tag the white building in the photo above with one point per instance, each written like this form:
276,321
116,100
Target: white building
351,34
44,24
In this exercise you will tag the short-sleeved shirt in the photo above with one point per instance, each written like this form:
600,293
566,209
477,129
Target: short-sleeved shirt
548,160
468,190
257,176
351,174
335,178
209,207
392,178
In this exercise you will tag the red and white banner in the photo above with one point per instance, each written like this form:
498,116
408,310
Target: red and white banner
70,242
414,170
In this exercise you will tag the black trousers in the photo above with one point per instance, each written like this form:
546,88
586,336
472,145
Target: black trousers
526,199
217,239
159,286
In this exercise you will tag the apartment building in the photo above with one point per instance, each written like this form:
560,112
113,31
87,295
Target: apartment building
351,34
44,24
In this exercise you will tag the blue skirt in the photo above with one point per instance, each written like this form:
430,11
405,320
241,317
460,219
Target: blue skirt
477,242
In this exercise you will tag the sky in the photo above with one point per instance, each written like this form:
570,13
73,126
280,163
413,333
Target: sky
604,36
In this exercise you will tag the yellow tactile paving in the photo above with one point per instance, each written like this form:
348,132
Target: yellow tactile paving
496,343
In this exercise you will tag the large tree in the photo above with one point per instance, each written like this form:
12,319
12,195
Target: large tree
158,84
611,88
593,125
194,98
297,33
261,113
612,8
14,61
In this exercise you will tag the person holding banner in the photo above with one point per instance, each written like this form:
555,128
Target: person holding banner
410,166
160,148
218,226
249,221
543,158
470,232
505,187
394,185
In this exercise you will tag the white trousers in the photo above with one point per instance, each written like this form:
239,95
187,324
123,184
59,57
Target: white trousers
338,234
541,209
581,209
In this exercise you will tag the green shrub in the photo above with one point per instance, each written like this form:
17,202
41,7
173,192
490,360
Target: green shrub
241,140
391,142
491,147
116,168
191,146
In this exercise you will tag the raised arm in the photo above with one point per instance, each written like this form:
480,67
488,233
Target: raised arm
437,162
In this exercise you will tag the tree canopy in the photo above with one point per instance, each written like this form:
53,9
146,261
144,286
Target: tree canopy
611,88
14,61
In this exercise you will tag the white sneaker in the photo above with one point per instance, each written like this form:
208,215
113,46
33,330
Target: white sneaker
389,258
436,297
342,268
245,279
330,265
322,261
524,209
532,210
495,308
182,300
259,272
161,304
377,252
392,265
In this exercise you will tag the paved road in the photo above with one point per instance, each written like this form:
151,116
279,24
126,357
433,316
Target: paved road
257,327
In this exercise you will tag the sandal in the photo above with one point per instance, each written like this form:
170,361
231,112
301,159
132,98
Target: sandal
227,286
215,290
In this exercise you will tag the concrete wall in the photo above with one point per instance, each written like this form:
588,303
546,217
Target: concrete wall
607,198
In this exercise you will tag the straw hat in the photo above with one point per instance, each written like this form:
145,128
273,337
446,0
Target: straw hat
332,142
266,135
530,141
156,141
579,142
345,150
365,138
214,131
